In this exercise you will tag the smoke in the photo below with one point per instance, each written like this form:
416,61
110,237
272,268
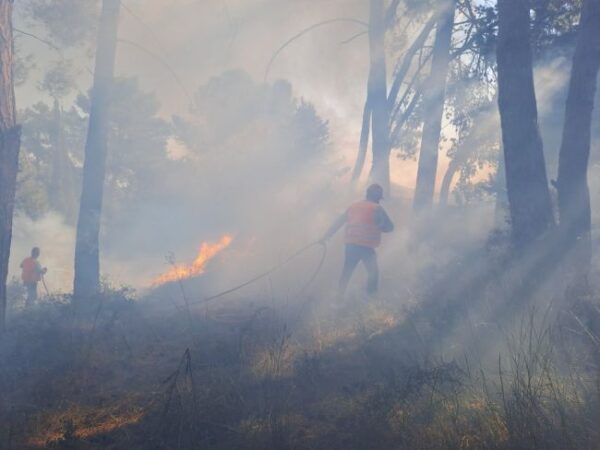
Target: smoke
56,240
266,161
57,243
253,182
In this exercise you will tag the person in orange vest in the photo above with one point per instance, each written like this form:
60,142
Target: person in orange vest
365,221
31,274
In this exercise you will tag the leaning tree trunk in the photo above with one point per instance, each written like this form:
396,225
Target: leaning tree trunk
399,78
87,254
572,183
526,180
10,142
380,112
434,100
453,167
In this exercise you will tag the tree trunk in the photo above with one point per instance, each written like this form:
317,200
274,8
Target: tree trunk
58,195
447,182
435,96
526,180
394,90
392,98
407,59
501,207
10,142
364,142
87,254
380,168
572,183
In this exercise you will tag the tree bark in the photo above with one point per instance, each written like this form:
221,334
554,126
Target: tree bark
87,254
526,181
392,98
501,207
403,69
364,141
447,182
61,185
380,168
435,96
572,183
10,142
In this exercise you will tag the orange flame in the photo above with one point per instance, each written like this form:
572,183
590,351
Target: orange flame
208,250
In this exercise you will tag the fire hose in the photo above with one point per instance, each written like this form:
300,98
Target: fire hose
274,269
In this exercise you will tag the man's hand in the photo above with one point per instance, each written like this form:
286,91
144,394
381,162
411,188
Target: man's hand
44,270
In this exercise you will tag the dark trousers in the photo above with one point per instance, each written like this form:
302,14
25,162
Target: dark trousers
31,293
354,255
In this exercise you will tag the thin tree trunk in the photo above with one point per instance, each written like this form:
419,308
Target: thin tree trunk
394,90
526,180
392,98
380,168
56,194
403,69
364,142
501,207
87,254
61,189
435,97
399,123
55,142
447,182
482,128
572,183
10,142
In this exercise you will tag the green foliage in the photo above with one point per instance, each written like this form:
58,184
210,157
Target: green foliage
232,103
475,144
232,106
554,23
31,196
136,144
309,132
66,22
136,151
59,80
51,143
22,65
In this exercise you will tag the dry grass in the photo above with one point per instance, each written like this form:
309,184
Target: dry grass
83,423
129,376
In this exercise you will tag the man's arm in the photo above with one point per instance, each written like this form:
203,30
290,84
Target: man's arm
384,222
339,223
39,269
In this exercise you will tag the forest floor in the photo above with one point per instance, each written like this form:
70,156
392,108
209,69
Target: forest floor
436,367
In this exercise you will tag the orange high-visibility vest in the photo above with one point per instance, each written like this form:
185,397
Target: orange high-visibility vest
30,273
361,225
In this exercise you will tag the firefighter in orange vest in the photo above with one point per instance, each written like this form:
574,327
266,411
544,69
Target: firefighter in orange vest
32,273
364,221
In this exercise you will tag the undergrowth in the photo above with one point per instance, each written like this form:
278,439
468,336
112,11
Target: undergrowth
120,373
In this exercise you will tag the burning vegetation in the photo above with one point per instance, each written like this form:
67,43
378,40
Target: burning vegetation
206,252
